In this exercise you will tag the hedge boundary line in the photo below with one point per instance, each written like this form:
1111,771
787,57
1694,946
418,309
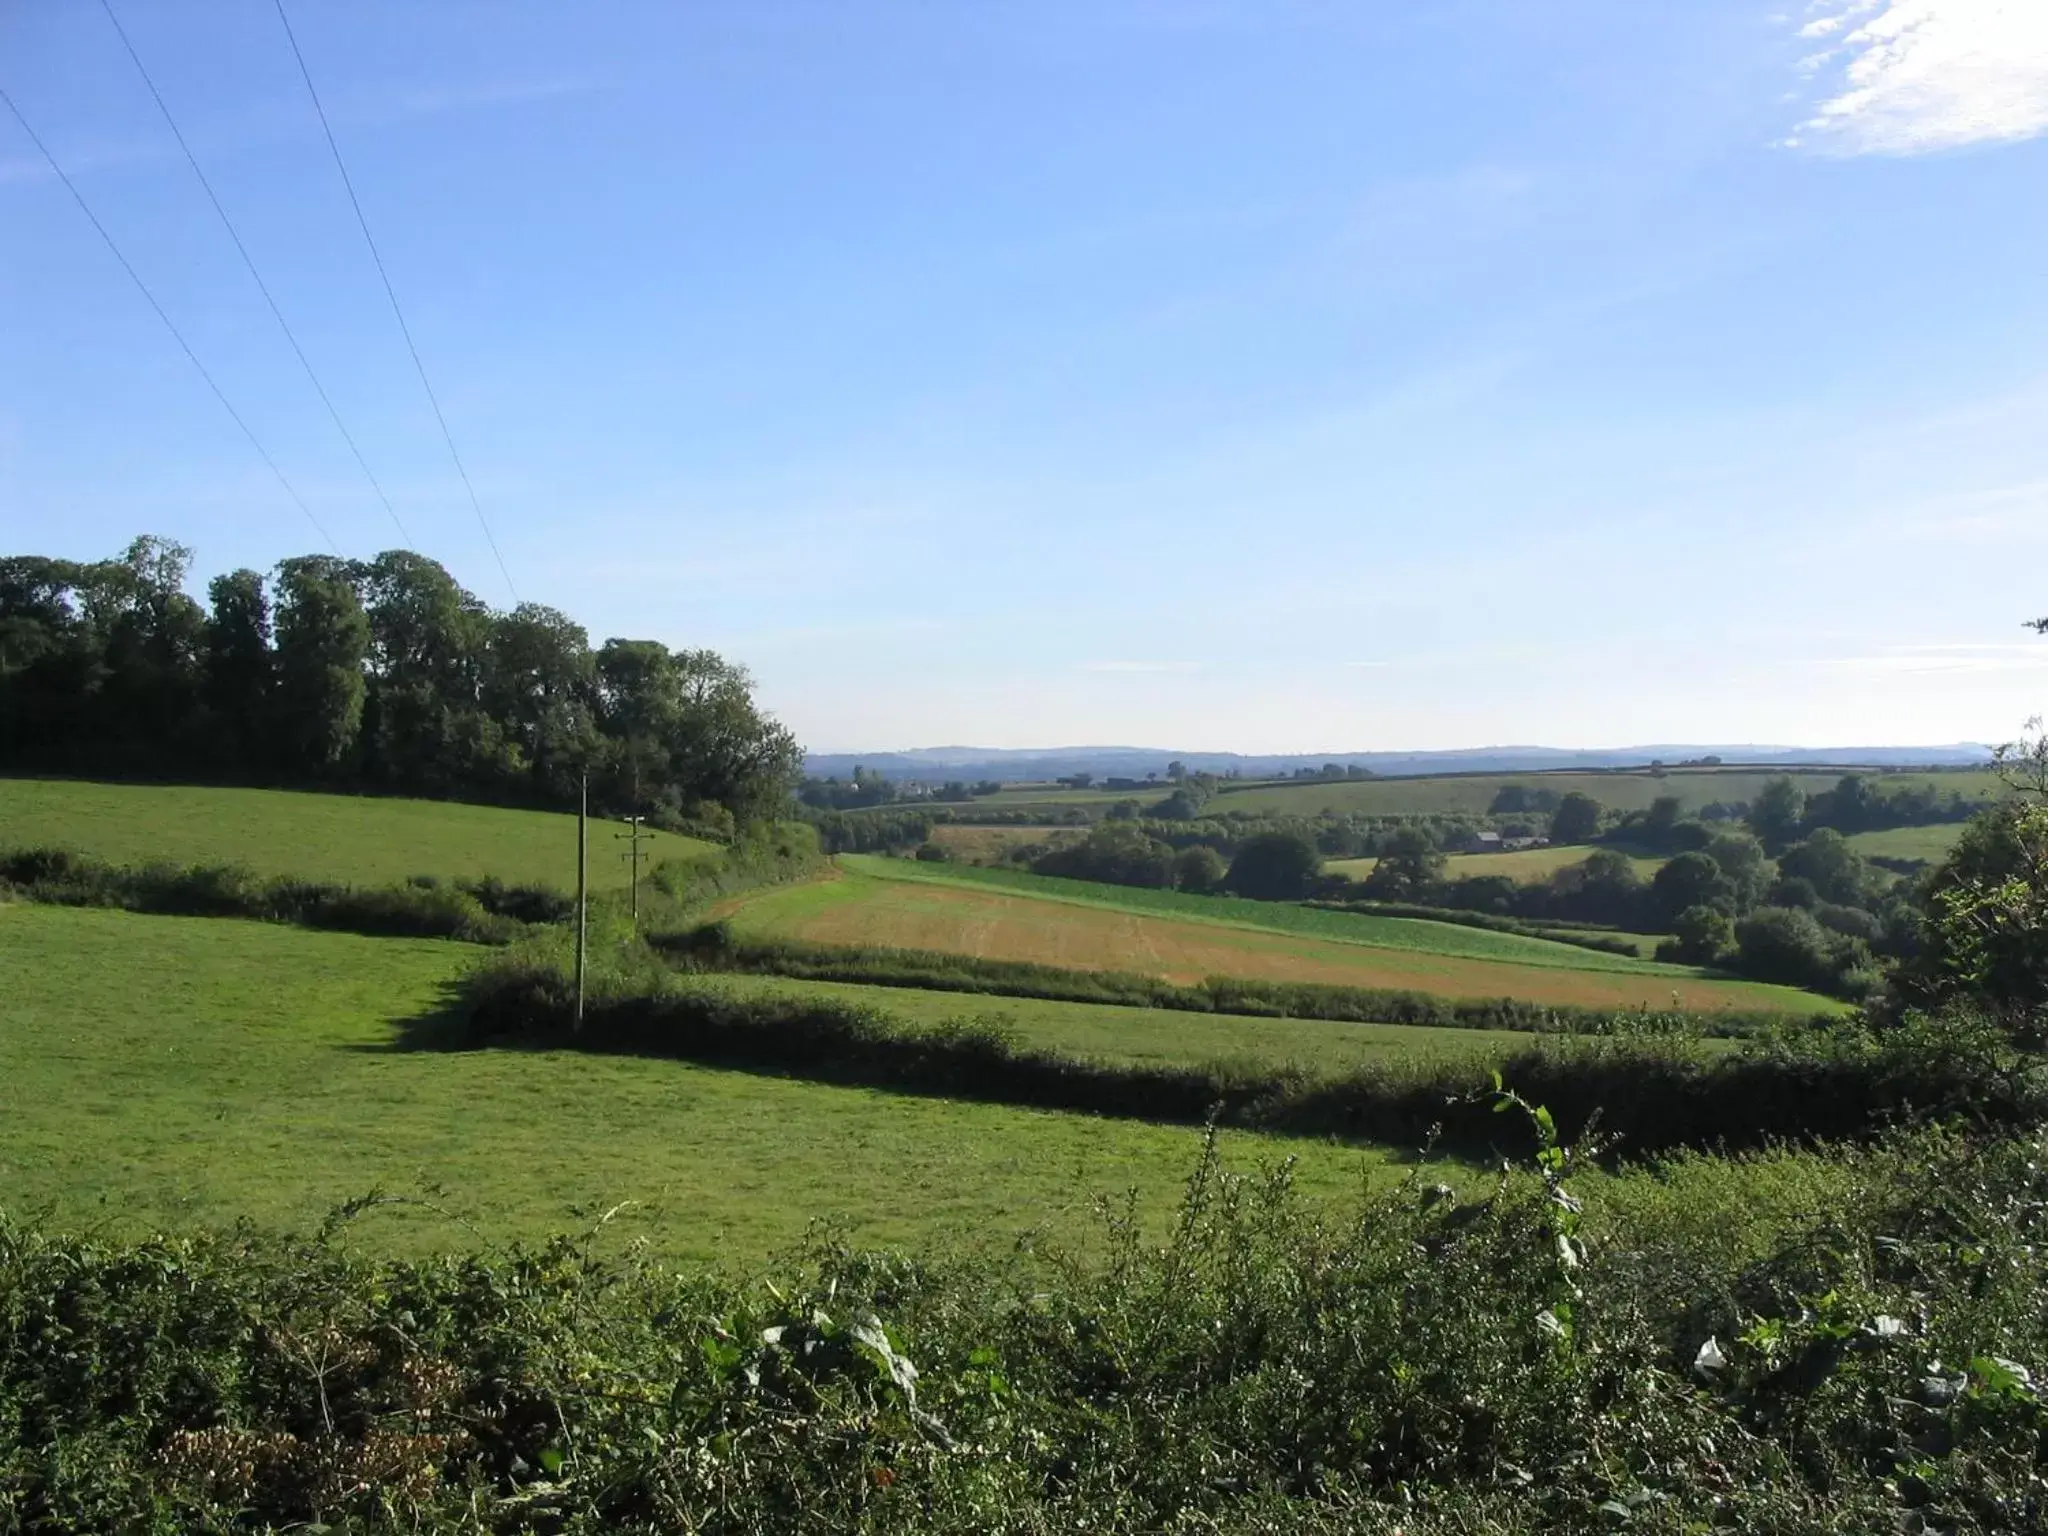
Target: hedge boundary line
714,947
1652,1096
485,911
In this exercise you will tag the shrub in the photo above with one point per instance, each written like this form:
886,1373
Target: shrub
1198,869
1786,944
1701,936
929,852
1275,866
1422,1361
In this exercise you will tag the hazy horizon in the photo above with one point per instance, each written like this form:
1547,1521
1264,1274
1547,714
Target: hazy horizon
1264,373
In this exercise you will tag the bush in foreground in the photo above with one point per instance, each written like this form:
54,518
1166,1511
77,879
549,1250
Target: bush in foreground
1423,1364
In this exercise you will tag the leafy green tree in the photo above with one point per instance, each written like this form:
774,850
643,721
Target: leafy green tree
1660,820
1604,888
1777,813
1985,929
1825,858
540,681
1484,893
323,644
1745,866
240,670
1700,936
1784,945
424,728
149,637
1199,869
1409,867
1275,866
1688,881
1118,852
1576,819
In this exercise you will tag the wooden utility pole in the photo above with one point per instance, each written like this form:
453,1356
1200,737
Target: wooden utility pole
582,890
634,838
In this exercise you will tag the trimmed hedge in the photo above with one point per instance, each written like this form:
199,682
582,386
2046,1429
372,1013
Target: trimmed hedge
1652,1095
476,911
1583,935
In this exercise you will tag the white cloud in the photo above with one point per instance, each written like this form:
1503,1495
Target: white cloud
1907,77
1137,666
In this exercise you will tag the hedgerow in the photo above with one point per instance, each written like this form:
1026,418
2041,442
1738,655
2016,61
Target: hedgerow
714,947
483,911
1652,1092
1521,1362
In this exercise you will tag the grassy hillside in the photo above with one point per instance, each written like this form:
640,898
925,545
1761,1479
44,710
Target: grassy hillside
169,1071
1401,933
320,837
1627,791
998,916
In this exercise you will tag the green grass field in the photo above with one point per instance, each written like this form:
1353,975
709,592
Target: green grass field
1399,933
1528,866
1626,791
1157,1036
998,914
352,838
163,1072
1931,844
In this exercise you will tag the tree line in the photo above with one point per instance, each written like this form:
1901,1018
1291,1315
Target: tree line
380,675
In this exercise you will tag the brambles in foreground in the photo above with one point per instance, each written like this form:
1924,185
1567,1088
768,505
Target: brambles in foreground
1423,1363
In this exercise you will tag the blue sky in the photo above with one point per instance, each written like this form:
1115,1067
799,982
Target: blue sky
1281,377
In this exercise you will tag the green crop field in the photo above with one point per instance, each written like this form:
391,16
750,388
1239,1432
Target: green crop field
1000,915
1398,933
1632,790
1528,865
1158,1036
1929,843
159,1071
353,838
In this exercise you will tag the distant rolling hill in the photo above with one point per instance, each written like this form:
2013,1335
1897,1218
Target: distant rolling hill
1013,765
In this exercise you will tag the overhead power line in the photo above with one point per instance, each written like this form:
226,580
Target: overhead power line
391,293
257,277
176,335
